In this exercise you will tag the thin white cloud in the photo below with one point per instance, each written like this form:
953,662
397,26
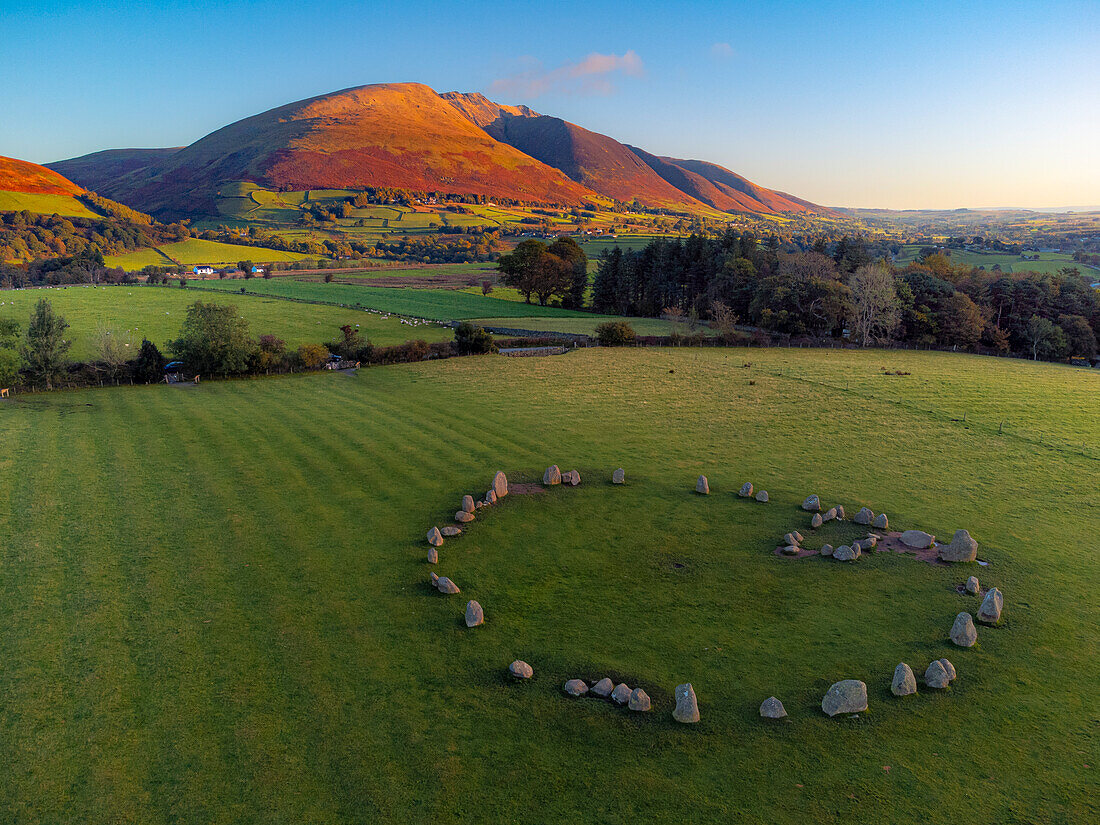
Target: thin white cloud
594,75
721,51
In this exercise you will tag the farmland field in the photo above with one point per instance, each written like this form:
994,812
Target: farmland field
1049,262
214,604
156,313
197,251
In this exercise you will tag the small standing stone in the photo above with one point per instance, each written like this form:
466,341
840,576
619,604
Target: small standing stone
936,676
864,516
701,486
445,585
961,548
972,586
840,512
992,605
434,578
826,550
746,490
491,497
829,515
468,504
603,688
639,700
963,632
917,539
573,478
762,496
474,614
552,476
478,505
621,694
815,522
462,517
772,708
433,556
904,683
521,670
500,485
619,476
687,706
847,696
792,538
881,522
576,687
812,503
435,538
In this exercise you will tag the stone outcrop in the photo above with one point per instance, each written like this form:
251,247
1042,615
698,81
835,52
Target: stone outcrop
702,485
521,670
772,708
904,682
846,696
687,706
917,539
961,548
992,605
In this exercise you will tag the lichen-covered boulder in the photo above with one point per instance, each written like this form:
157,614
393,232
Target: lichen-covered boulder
865,516
904,682
467,504
772,708
433,555
826,550
846,553
619,476
445,585
963,632
815,522
639,701
576,687
762,496
435,538
961,548
702,485
552,476
936,676
812,503
462,517
474,614
621,694
687,706
521,670
881,522
500,485
972,586
846,696
603,688
992,605
746,490
917,539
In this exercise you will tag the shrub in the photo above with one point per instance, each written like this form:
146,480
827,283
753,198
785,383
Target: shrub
615,334
312,356
471,340
149,364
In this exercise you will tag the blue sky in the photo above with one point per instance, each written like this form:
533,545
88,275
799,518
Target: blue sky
901,105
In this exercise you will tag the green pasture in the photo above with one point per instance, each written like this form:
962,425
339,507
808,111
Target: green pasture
214,603
1049,262
197,251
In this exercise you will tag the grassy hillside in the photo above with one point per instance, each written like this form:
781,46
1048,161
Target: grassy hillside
214,603
197,251
65,205
156,313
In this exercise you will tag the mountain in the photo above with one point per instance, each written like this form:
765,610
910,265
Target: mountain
406,136
30,178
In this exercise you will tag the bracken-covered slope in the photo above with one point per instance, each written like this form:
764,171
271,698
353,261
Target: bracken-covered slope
101,170
30,178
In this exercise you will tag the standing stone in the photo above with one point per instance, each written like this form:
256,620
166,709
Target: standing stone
846,553
772,708
847,696
687,706
521,670
992,605
462,517
445,585
619,476
917,539
621,694
576,687
826,550
792,538
746,490
639,700
812,503
491,497
972,587
829,514
904,682
603,688
864,516
963,632
701,486
791,550
881,522
474,614
434,578
451,531
961,548
468,503
500,485
433,556
573,478
552,476
815,522
950,668
435,538
840,512
478,505
936,676
762,496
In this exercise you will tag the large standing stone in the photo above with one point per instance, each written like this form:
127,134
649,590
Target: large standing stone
992,605
621,694
451,530
474,614
433,556
846,553
576,687
462,517
521,670
904,682
881,522
917,539
639,700
961,548
435,538
826,550
468,503
972,586
812,503
552,475
936,676
746,490
847,696
687,706
491,497
815,522
619,476
603,688
445,585
950,668
500,485
702,486
864,516
963,632
772,708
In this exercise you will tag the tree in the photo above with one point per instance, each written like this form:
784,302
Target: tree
110,349
213,340
149,365
723,319
351,346
271,353
245,267
1046,340
11,360
471,340
574,258
961,322
1080,339
45,345
518,266
874,313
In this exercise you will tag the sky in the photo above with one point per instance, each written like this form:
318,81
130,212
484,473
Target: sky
914,105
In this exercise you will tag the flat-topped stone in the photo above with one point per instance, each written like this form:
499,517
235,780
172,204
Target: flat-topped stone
845,696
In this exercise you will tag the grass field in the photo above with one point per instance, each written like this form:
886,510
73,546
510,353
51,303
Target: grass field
156,313
585,325
214,606
197,251
1049,262
63,205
